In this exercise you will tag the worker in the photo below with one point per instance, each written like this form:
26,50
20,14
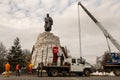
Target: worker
55,55
7,69
17,70
38,69
30,68
61,59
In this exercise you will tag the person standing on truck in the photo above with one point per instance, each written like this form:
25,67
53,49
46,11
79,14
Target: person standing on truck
61,59
55,55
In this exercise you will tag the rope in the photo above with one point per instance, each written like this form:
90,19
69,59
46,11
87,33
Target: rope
109,49
79,29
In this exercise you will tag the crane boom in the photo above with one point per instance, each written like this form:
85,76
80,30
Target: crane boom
107,35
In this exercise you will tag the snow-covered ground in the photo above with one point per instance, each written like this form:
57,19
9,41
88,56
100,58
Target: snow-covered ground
103,74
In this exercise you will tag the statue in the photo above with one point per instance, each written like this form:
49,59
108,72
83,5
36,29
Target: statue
48,23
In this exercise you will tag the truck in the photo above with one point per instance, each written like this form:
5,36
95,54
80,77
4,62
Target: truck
71,65
111,60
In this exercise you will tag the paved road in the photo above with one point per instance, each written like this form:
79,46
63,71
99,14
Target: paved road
28,77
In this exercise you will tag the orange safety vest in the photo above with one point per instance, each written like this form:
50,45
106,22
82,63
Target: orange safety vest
17,67
7,67
30,66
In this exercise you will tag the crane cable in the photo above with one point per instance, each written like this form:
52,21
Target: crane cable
92,17
109,49
79,29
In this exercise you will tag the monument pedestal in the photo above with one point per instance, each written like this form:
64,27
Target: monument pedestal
43,49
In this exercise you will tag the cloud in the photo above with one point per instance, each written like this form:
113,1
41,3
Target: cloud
27,12
24,19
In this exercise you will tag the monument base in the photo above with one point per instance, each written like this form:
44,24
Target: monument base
43,49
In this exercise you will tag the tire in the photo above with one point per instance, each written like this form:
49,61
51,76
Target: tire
87,72
116,72
53,72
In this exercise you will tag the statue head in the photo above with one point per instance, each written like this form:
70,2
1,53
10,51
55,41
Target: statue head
47,14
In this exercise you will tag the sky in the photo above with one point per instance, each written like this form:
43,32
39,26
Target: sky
25,19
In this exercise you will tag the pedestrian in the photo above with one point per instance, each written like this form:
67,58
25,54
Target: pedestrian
30,68
55,55
61,59
7,69
17,70
38,69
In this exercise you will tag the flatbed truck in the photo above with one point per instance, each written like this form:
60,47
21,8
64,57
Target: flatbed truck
74,65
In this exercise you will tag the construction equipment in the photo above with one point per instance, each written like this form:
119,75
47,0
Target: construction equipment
111,60
72,65
107,35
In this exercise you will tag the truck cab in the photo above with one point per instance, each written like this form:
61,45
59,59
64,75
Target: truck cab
79,65
114,58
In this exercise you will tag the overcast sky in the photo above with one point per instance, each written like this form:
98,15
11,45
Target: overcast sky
25,19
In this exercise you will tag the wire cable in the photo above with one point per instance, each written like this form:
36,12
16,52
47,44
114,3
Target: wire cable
109,49
79,30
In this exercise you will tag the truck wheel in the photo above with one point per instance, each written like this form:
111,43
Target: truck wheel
117,72
87,72
53,72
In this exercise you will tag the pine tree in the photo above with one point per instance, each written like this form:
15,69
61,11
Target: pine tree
15,55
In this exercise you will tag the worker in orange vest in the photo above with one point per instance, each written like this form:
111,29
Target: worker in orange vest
30,68
7,69
17,70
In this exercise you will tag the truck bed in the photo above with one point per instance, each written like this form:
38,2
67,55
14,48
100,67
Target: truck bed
55,66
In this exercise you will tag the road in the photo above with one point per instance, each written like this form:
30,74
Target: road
29,77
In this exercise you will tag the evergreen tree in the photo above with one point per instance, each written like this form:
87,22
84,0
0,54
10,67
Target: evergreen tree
15,55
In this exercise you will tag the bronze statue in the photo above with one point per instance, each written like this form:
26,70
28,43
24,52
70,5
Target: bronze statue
48,23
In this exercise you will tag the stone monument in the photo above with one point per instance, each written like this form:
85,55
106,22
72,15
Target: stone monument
42,51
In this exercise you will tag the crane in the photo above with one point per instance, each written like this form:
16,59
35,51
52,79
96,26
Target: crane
105,32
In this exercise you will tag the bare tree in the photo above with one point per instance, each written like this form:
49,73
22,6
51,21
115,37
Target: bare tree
106,57
27,55
3,52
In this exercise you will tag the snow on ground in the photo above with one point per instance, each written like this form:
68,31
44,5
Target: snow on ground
103,74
